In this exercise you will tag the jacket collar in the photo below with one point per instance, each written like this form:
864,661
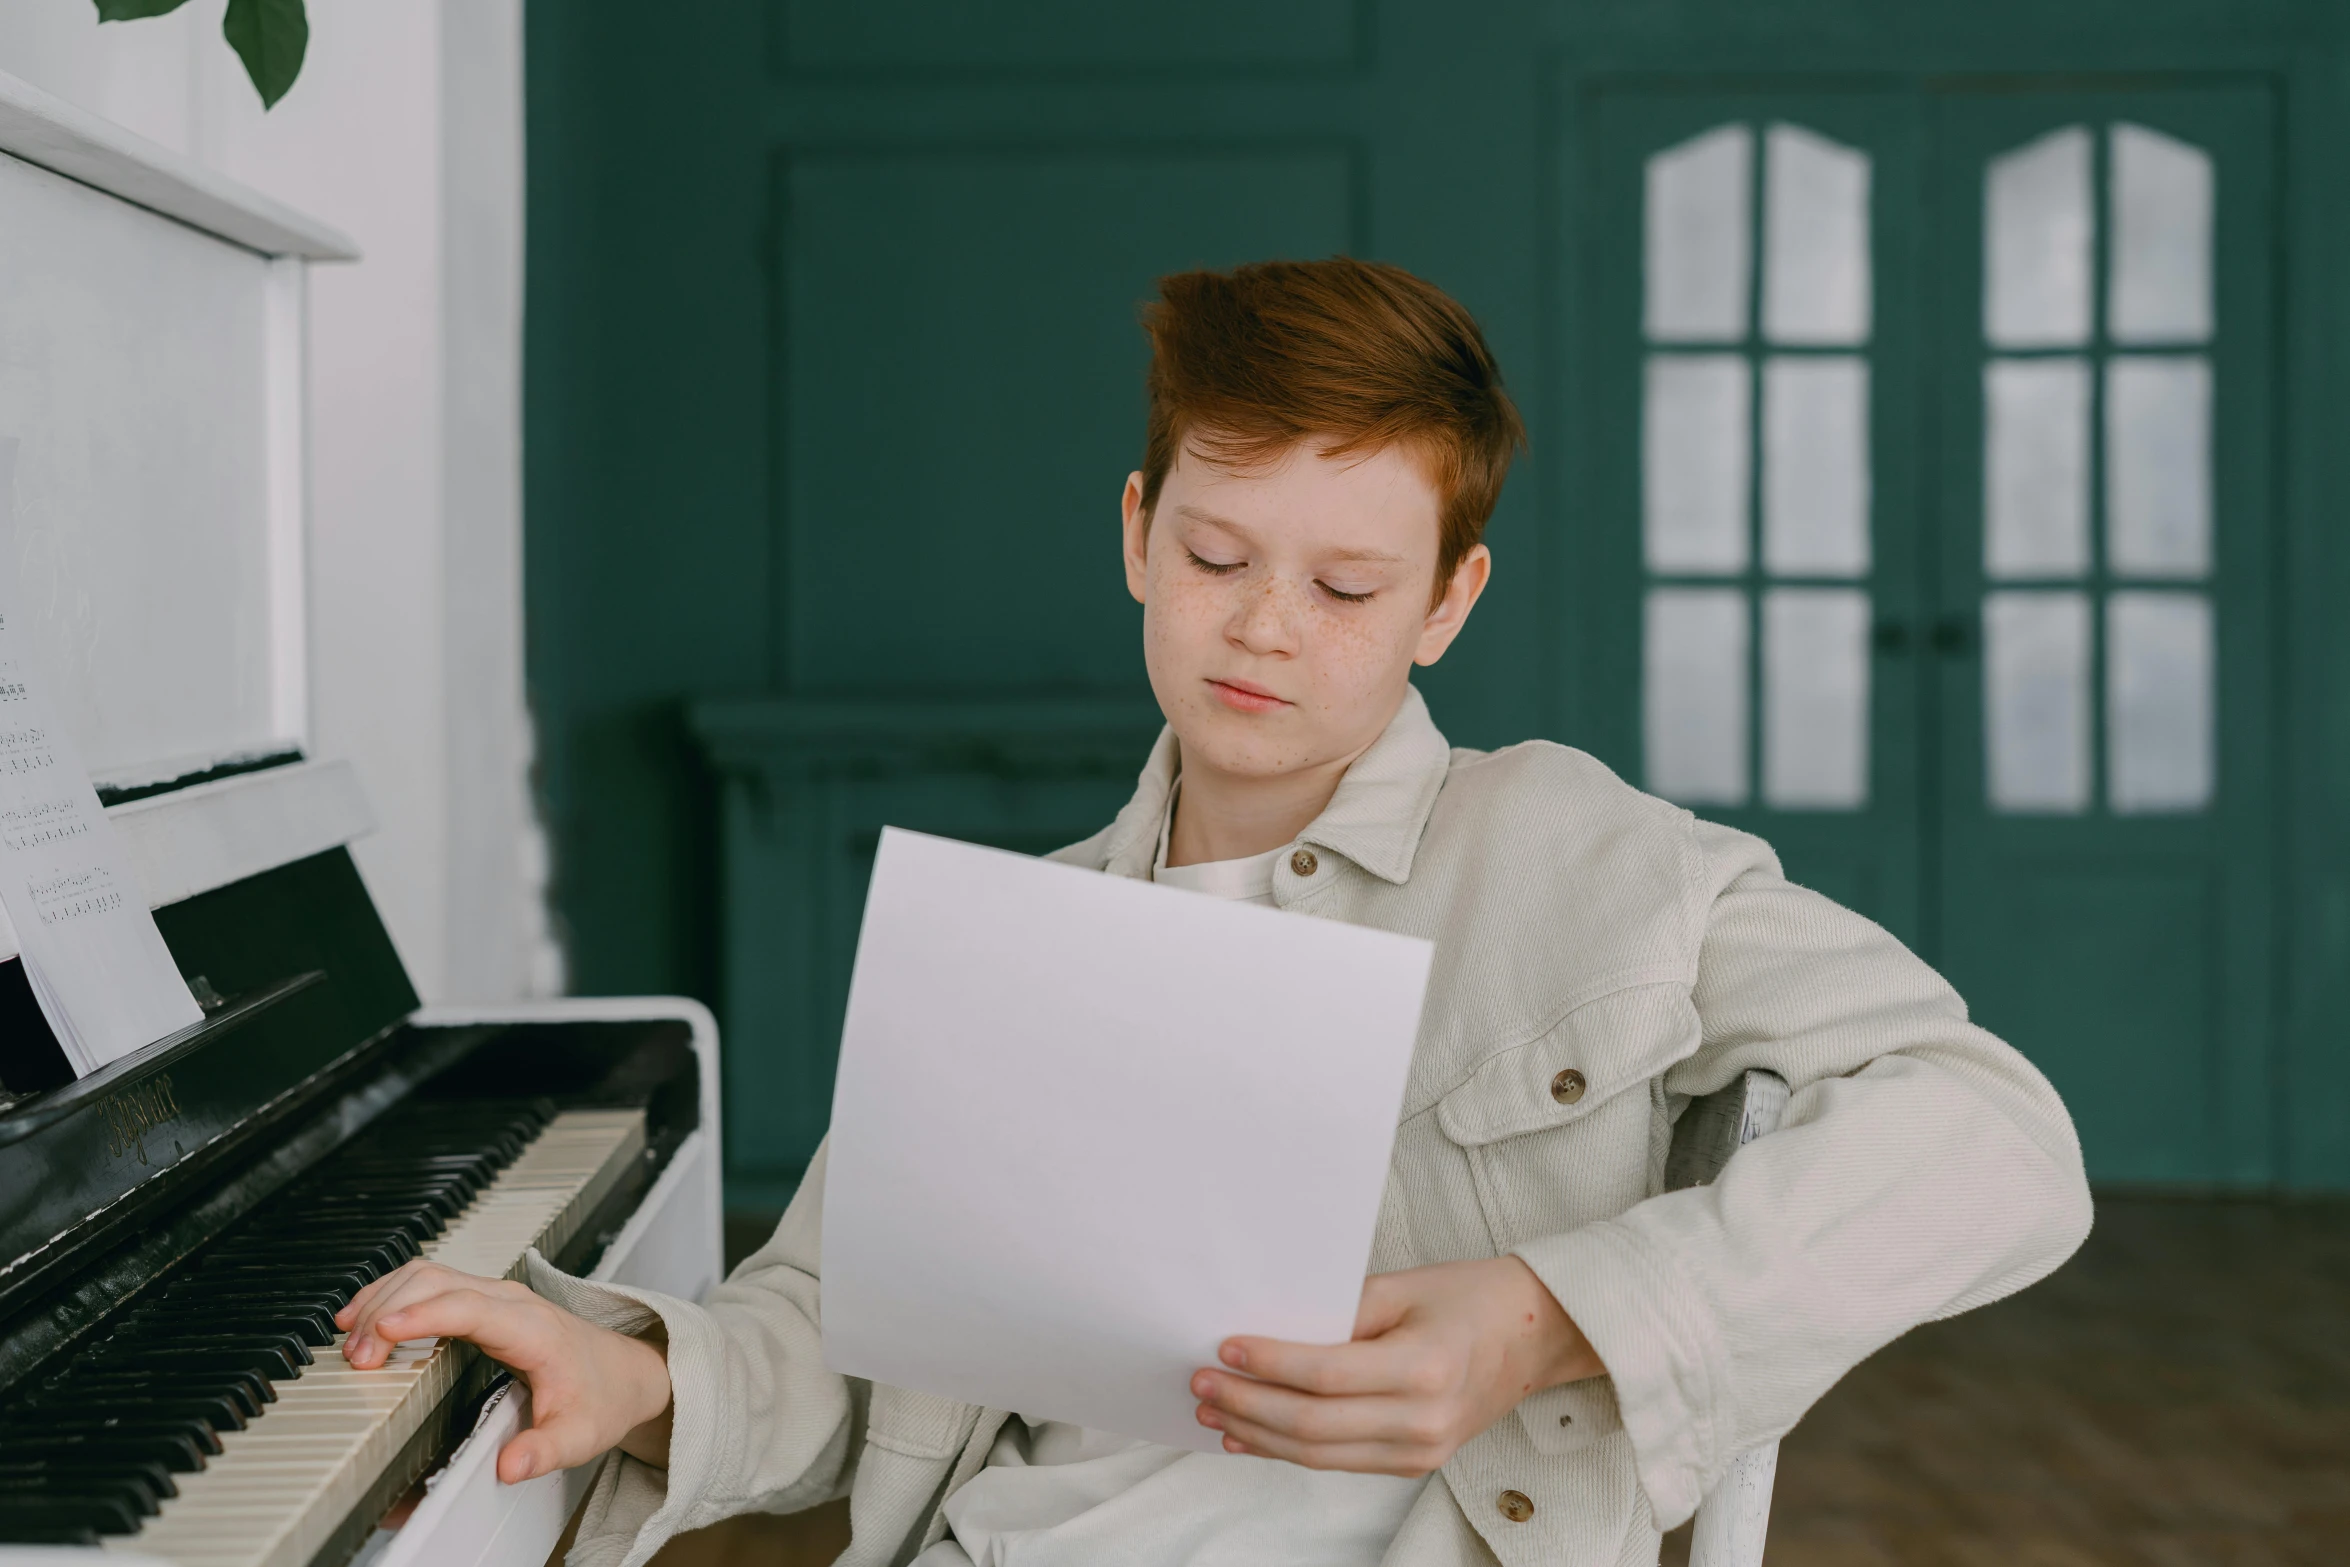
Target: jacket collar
1375,819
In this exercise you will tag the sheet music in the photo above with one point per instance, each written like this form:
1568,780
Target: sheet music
97,964
1086,1128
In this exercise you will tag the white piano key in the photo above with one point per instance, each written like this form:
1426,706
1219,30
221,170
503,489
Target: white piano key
279,1487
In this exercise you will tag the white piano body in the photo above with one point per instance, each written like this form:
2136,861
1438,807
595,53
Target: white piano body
152,532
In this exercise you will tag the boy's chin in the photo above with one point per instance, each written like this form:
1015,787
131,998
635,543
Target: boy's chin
1247,746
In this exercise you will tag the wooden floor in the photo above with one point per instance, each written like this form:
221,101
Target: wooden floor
2176,1396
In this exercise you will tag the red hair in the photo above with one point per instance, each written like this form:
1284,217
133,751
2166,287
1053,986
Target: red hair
1246,364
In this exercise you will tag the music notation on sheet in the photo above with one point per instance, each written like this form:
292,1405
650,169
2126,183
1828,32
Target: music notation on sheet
91,951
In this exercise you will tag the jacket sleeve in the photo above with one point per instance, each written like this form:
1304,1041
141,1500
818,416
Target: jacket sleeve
758,1423
1924,1168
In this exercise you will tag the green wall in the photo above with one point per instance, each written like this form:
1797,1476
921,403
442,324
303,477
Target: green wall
832,379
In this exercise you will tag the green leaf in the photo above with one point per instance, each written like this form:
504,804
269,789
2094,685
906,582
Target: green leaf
133,10
270,37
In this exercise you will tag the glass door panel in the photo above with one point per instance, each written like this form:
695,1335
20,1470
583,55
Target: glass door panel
1756,474
2100,579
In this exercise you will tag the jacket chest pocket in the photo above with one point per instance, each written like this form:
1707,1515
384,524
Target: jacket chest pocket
918,1425
1560,1131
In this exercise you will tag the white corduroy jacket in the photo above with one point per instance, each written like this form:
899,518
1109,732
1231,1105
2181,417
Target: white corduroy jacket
1924,1168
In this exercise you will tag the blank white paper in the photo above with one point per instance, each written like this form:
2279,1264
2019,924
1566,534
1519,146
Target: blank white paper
1086,1128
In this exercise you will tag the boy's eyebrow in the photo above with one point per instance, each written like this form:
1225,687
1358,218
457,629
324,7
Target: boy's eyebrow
1194,514
1210,518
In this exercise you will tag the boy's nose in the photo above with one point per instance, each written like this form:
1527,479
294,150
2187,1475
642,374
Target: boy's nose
1266,621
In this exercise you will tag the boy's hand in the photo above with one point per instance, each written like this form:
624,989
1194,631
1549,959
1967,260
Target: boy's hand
591,1389
1438,1355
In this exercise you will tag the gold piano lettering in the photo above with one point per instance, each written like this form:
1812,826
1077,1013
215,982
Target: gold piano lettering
137,1110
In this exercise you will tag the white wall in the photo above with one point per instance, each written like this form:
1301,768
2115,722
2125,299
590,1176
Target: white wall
404,131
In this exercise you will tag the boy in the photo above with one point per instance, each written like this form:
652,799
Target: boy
1576,1356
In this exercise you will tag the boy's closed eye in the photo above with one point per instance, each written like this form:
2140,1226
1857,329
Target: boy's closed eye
1223,568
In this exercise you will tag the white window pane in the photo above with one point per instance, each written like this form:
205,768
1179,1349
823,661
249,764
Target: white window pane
2158,466
1694,463
2161,284
1816,698
1816,466
2036,243
1693,694
2035,468
2036,701
2158,684
1815,239
1699,237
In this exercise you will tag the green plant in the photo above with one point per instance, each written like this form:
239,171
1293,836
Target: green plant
270,36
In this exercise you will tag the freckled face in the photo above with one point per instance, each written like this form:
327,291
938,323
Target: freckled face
1284,606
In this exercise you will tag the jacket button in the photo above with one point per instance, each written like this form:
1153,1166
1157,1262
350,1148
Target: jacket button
1567,1087
1516,1506
1304,863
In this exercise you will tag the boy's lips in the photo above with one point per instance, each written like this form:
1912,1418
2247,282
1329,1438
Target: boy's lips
1247,696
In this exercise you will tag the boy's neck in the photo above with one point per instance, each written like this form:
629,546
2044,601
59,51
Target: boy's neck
1236,816
1221,816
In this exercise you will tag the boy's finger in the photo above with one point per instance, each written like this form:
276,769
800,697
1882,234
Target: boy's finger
1365,1366
1241,1436
375,1290
451,1313
397,1294
561,1440
1306,1417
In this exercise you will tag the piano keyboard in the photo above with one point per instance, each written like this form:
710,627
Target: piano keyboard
218,1425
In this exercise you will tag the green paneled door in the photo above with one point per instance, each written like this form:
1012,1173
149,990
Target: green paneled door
1943,537
2104,560
1761,449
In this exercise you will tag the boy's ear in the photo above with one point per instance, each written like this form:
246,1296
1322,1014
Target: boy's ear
1138,535
1444,622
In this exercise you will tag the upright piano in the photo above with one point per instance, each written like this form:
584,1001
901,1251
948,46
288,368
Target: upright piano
178,1228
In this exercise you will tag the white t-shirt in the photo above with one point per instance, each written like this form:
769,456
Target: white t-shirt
1060,1495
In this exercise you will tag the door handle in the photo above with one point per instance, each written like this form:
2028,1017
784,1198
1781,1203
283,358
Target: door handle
1949,636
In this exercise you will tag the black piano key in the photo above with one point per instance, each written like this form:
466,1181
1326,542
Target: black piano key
182,1451
196,1291
50,1517
440,1200
297,1240
360,1171
413,1222
43,1526
152,1477
313,1317
247,1390
270,1350
436,1204
140,1405
379,1251
133,1486
349,1280
271,1362
129,1501
199,1329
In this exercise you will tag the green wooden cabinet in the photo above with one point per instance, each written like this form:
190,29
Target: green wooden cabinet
834,374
